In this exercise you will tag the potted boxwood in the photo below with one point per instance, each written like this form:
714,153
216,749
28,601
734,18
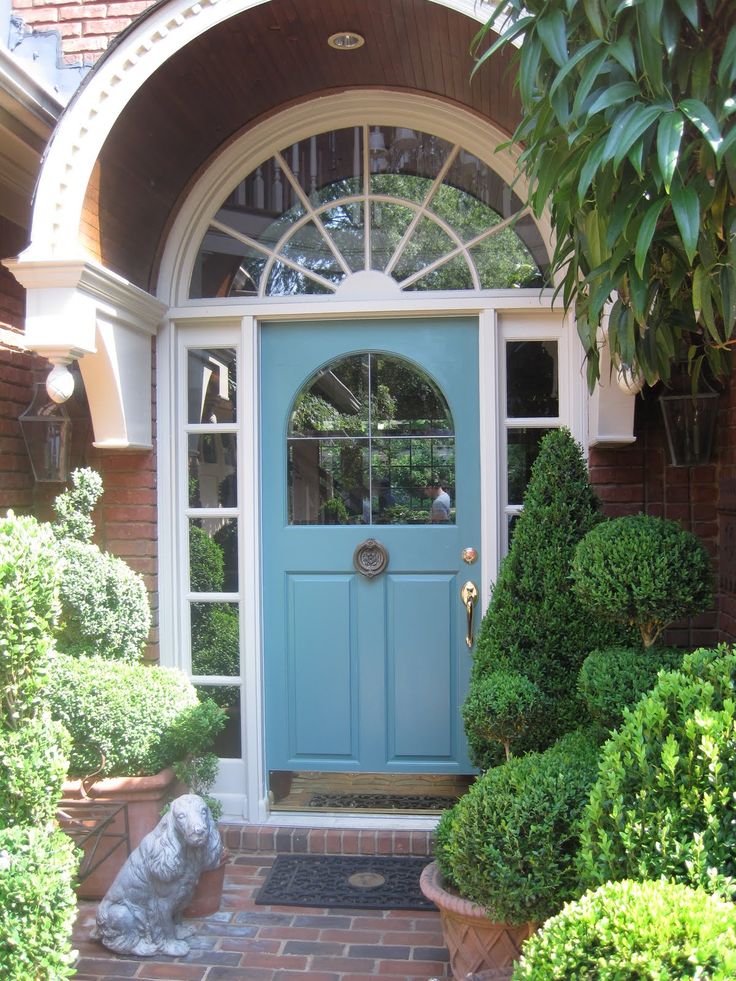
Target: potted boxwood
505,853
129,724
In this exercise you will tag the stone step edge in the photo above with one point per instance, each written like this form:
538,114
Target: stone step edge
325,841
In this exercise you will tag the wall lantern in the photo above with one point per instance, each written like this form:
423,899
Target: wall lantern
690,424
47,430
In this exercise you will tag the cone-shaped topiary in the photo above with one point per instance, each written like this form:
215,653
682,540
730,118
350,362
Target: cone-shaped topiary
534,625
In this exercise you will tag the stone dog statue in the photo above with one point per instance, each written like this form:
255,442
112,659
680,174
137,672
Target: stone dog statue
141,911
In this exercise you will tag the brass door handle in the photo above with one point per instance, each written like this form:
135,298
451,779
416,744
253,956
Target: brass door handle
469,596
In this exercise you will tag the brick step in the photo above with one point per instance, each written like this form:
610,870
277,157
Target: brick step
265,839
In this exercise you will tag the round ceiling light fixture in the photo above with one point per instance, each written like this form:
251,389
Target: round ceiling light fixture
346,41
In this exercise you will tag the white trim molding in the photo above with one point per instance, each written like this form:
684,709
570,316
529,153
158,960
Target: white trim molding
80,310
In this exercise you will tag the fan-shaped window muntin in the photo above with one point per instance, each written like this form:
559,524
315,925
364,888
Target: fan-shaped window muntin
370,441
430,220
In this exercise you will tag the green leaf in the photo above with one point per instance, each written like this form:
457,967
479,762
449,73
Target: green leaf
592,163
690,10
669,136
652,12
639,121
701,116
553,35
516,28
593,13
727,65
531,53
651,51
614,96
729,141
592,73
686,206
700,76
700,284
646,234
623,51
576,58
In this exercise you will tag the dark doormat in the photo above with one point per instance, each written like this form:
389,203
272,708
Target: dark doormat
383,802
345,882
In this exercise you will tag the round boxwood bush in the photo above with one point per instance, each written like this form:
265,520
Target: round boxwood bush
124,713
37,904
643,571
615,678
509,843
653,931
664,803
34,759
500,707
104,604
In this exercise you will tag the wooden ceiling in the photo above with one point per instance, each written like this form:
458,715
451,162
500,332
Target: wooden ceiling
248,67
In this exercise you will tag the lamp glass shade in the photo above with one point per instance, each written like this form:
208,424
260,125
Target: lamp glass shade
47,431
689,422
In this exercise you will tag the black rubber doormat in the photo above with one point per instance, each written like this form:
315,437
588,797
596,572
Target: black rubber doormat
345,882
383,802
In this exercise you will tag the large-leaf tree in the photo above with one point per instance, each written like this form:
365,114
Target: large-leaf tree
628,137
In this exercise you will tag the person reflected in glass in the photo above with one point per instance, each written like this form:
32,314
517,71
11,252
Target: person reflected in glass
440,508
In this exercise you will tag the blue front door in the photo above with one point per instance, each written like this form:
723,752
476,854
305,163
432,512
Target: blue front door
369,435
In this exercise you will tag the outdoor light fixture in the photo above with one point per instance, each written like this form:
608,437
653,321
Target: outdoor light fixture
47,431
346,41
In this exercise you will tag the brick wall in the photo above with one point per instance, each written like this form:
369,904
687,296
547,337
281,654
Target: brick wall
639,478
85,29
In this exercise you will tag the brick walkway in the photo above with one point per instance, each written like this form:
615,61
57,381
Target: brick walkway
244,942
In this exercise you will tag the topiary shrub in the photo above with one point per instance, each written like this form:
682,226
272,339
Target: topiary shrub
215,639
643,571
104,602
629,930
534,625
37,904
615,678
29,612
664,804
123,713
509,843
206,562
33,763
500,707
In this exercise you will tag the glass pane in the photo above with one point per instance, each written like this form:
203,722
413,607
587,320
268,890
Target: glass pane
504,262
468,173
531,378
228,744
511,522
529,234
225,267
215,639
328,481
413,480
211,385
213,471
452,275
345,225
262,206
404,186
328,166
400,150
388,224
463,213
308,248
213,555
405,400
427,243
334,401
523,447
285,281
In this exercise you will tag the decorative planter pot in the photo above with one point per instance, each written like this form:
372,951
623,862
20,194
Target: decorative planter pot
208,894
474,941
145,798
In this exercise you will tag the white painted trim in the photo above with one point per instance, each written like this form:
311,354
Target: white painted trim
490,500
93,112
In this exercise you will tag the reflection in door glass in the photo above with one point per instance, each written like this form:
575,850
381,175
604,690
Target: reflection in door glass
371,441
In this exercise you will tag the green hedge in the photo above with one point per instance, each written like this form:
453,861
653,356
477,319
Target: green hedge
37,904
663,804
635,931
509,843
126,712
33,764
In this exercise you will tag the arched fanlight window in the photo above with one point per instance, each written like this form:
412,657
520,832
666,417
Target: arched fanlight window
371,441
423,211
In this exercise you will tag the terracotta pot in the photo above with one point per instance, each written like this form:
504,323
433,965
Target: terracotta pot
475,942
208,894
145,798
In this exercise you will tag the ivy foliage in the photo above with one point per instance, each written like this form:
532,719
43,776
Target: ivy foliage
629,136
635,930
